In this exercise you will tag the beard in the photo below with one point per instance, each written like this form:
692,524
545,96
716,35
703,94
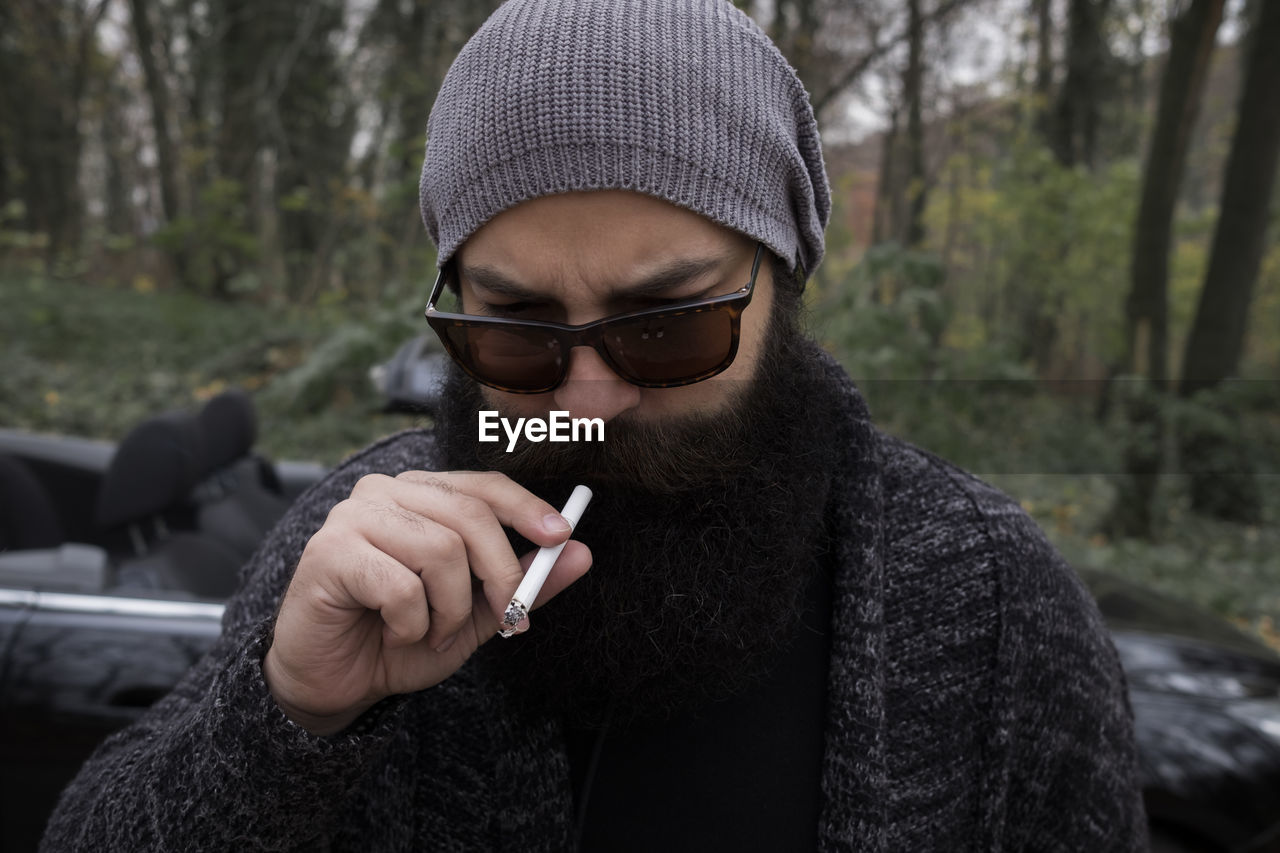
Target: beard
705,532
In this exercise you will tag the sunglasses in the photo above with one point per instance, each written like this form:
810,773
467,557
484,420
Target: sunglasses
656,348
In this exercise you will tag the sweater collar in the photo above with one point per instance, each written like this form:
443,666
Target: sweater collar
854,777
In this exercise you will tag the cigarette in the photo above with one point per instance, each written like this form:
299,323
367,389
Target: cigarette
540,568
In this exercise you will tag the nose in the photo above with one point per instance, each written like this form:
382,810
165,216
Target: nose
592,390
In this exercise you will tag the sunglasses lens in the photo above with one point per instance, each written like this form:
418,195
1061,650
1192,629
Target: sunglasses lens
671,349
508,357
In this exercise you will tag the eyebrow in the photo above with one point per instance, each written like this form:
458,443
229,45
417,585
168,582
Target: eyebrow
667,277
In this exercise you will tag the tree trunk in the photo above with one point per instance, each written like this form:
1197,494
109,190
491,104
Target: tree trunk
1076,114
1128,139
4,177
885,219
166,154
120,153
44,67
913,94
1217,337
1190,48
422,31
201,52
1043,11
240,56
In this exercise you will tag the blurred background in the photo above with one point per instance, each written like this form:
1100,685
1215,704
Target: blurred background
1052,257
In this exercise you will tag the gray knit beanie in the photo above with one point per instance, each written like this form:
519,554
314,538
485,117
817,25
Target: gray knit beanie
684,100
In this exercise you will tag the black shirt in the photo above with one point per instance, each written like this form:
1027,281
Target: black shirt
743,773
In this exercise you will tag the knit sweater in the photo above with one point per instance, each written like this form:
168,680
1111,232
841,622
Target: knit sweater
975,702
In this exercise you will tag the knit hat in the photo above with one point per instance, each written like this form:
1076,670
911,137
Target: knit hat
684,100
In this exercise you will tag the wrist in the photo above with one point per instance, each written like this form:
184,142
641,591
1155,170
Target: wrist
322,724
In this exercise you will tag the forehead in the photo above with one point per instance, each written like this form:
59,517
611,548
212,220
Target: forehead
594,239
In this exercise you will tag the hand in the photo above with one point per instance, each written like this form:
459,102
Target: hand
401,585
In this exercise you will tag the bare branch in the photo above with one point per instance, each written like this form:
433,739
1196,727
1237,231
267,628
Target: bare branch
877,50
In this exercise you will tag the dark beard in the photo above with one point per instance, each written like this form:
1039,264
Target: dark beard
705,534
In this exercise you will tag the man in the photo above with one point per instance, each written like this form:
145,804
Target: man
796,633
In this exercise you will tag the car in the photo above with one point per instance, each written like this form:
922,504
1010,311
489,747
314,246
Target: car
176,505
115,559
96,626
76,667
1206,708
411,380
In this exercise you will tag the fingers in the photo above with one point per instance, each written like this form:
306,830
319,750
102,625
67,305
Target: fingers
380,583
476,506
573,563
384,599
446,527
512,504
409,547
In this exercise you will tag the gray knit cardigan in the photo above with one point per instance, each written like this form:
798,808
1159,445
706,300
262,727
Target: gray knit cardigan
974,703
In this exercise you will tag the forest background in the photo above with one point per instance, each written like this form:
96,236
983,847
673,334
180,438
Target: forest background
1051,258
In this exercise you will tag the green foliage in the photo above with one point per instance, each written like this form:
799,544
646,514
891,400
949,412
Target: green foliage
1262,352
216,241
1187,265
1033,246
1231,569
975,404
882,322
93,361
1229,446
967,397
1022,278
20,249
336,370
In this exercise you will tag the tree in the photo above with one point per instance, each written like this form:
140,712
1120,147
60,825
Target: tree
913,95
884,224
46,48
1217,334
1074,124
904,182
415,42
1191,43
832,44
166,148
1042,10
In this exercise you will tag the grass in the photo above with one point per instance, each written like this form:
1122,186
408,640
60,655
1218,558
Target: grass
1064,468
1231,569
92,360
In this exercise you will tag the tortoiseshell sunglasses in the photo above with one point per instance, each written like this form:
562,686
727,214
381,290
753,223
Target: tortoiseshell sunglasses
656,348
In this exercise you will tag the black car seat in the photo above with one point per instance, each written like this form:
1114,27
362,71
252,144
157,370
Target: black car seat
34,553
28,518
145,492
239,498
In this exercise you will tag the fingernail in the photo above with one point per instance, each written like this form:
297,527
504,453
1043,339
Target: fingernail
447,644
554,523
523,626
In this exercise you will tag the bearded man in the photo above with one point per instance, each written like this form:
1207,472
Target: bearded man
796,632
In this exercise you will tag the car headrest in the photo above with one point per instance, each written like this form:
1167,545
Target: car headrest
153,469
230,427
28,518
